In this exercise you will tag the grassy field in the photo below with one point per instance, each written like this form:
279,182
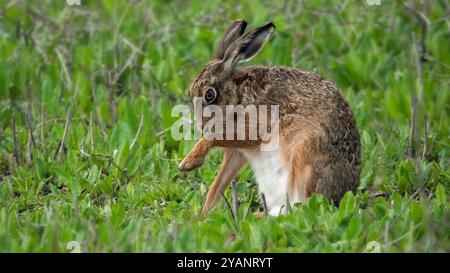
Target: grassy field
86,154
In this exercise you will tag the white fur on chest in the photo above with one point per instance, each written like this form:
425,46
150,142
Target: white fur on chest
272,176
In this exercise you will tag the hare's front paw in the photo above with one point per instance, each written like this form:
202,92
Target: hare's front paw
191,161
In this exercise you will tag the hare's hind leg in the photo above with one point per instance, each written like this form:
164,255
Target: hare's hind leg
332,179
233,161
314,172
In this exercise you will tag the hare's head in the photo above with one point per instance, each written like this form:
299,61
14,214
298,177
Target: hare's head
216,84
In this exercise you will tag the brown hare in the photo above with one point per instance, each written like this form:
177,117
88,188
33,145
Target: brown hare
319,145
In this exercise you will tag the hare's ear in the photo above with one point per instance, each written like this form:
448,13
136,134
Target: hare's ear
233,32
247,46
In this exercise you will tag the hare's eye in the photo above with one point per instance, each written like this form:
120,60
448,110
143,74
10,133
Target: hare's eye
210,95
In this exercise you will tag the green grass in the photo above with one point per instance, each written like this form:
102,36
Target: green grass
85,170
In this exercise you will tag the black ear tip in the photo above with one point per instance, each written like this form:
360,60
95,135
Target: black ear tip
242,24
268,26
240,21
271,24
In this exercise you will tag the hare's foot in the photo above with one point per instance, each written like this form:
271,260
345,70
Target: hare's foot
195,157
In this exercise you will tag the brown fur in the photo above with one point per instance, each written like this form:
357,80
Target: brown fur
319,138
